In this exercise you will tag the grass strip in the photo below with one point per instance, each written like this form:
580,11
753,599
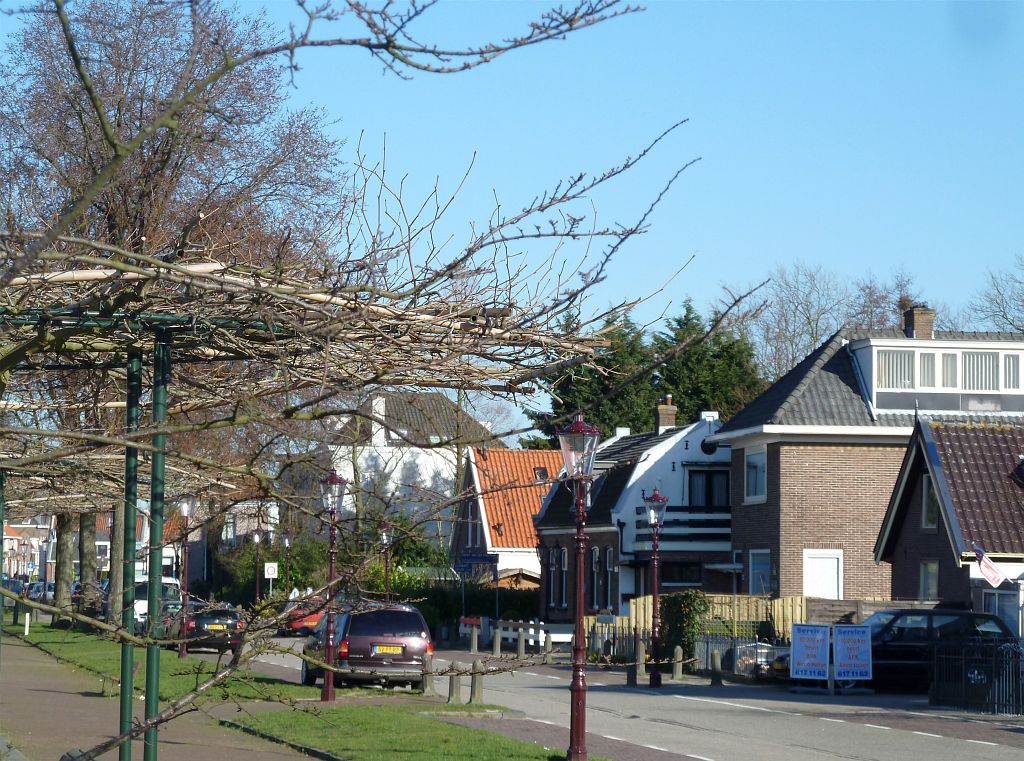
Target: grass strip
360,732
178,676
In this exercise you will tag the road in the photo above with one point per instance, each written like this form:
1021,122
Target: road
737,722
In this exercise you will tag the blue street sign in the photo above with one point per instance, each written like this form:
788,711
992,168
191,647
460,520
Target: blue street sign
478,558
461,568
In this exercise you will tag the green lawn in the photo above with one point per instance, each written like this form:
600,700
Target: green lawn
177,675
386,732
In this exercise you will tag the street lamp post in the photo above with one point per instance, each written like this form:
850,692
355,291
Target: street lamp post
287,561
331,490
656,517
579,445
185,508
256,541
386,535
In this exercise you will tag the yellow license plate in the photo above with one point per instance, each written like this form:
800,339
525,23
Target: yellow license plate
217,627
388,649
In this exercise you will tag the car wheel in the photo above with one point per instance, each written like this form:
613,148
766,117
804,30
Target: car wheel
308,675
339,681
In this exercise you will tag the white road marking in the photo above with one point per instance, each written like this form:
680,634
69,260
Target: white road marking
734,705
655,747
699,758
982,742
876,726
837,721
613,737
545,721
531,673
556,678
926,734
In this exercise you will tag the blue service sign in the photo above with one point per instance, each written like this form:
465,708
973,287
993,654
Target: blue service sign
852,651
808,658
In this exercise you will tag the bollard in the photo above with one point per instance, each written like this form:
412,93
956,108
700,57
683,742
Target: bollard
26,616
455,683
521,643
427,685
641,658
476,684
548,647
677,663
474,639
497,641
716,668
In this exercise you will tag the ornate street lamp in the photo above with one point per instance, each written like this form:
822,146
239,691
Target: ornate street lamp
656,518
256,541
386,535
185,507
331,490
579,446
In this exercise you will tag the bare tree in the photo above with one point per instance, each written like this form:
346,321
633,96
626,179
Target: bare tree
1000,303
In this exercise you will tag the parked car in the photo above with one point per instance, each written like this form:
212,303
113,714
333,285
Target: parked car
170,592
301,616
41,591
903,642
213,627
379,644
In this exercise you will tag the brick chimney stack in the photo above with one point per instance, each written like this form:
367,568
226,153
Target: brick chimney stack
665,415
919,322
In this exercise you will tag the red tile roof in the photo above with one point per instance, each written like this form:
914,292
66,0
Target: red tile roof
512,491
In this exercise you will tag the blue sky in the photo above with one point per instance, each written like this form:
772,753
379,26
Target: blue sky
860,136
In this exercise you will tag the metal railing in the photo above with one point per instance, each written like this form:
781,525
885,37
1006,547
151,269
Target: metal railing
985,677
740,655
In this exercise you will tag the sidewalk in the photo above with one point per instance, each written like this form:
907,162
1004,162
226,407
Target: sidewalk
48,708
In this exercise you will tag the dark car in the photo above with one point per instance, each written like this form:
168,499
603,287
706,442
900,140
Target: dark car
904,641
213,627
375,644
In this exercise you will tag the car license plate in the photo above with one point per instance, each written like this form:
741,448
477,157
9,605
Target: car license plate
217,627
387,649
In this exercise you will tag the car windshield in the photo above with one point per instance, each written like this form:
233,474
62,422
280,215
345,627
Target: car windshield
394,623
167,591
878,621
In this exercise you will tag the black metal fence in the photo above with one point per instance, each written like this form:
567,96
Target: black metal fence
986,677
739,655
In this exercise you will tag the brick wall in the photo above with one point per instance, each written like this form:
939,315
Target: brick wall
820,496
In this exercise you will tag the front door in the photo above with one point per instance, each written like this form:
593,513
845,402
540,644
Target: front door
823,574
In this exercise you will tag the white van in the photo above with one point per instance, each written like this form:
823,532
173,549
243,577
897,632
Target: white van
170,592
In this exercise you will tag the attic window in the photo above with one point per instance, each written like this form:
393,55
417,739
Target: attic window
540,473
1017,474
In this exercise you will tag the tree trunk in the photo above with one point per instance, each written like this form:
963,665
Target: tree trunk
116,589
90,604
65,571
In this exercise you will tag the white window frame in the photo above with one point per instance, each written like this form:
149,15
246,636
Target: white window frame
950,366
926,369
896,364
978,377
565,578
749,497
553,555
928,495
595,578
1011,372
609,576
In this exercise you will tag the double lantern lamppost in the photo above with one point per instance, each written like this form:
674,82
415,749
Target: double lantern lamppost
386,537
186,507
331,490
579,445
656,504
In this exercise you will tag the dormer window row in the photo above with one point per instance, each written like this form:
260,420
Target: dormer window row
910,369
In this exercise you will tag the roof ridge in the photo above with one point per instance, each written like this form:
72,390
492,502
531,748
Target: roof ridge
824,353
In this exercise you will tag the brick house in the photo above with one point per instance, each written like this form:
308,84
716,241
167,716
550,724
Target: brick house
815,458
959,485
695,539
507,487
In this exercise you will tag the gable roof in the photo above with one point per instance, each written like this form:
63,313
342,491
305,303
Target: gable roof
970,465
423,418
511,492
605,491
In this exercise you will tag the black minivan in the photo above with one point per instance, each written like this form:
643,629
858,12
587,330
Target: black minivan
904,641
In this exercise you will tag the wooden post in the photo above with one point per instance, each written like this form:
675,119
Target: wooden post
476,683
677,663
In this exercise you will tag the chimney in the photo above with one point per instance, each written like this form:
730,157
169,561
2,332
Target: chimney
919,322
665,415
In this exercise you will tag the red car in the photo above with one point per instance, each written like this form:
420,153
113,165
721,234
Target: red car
300,617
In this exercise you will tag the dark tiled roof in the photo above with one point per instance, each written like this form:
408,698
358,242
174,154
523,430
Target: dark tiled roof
630,447
939,335
423,418
977,461
604,495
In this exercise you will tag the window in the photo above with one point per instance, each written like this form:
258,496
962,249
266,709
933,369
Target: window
929,504
928,580
760,572
949,370
895,368
981,370
1011,371
553,583
756,475
595,578
540,474
564,599
709,488
681,574
910,627
473,539
609,571
1004,605
927,369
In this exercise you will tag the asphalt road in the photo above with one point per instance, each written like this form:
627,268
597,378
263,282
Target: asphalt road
733,722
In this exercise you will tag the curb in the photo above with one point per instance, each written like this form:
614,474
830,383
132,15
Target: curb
8,752
305,749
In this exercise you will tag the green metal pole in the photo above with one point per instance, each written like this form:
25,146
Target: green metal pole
131,496
3,600
161,378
